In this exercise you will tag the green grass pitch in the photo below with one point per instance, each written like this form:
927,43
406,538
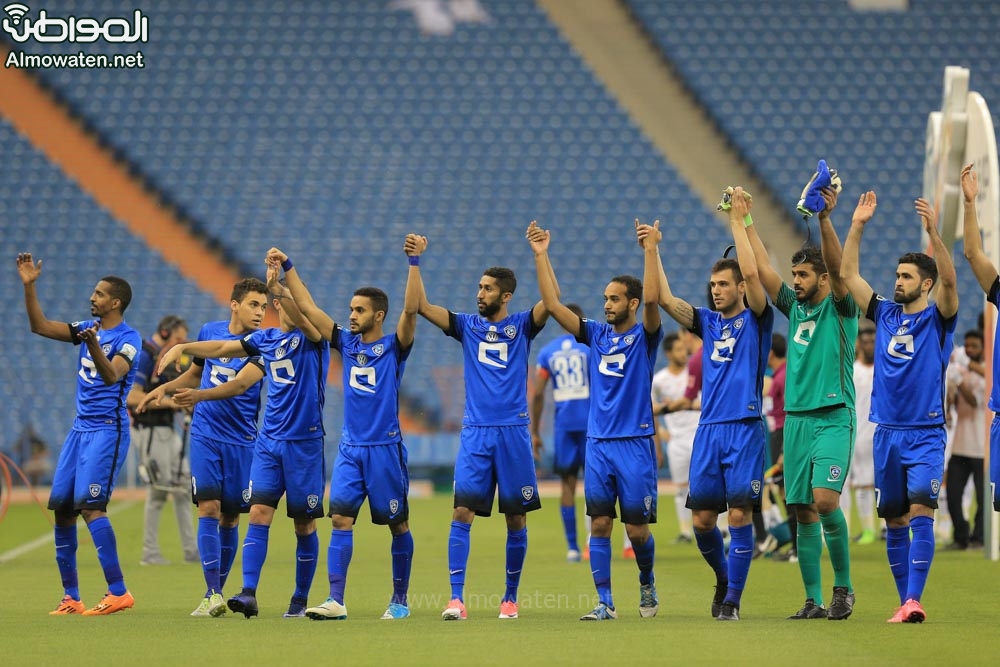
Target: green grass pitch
961,602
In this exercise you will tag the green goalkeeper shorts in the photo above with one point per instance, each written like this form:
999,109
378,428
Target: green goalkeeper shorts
819,445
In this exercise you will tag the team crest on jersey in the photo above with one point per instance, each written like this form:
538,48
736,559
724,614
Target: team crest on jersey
95,490
362,358
527,492
835,473
312,500
738,323
510,330
295,342
935,486
106,349
377,350
246,495
393,506
648,502
629,339
755,486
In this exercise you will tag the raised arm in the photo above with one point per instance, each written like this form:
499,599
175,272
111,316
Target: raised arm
304,313
248,376
769,278
436,315
680,310
756,296
830,244
850,271
406,328
947,294
206,349
539,240
41,325
650,276
982,267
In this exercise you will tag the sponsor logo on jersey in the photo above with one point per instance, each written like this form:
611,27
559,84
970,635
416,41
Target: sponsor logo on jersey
362,358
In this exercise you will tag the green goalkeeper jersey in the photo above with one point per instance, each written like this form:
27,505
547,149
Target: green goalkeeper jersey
820,371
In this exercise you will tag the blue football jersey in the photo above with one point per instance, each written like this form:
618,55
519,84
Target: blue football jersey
372,372
734,358
911,356
100,406
296,371
496,367
994,298
565,360
231,419
621,374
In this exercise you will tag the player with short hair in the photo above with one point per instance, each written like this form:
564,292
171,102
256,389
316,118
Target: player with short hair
819,405
288,454
727,462
96,446
371,459
669,387
224,394
989,280
913,340
565,361
495,450
621,464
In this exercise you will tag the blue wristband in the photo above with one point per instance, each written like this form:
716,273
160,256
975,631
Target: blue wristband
414,260
286,266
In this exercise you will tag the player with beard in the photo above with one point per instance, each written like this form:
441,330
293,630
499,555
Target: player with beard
819,401
495,447
727,460
913,340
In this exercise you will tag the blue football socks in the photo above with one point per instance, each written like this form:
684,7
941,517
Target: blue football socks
712,549
459,542
921,556
66,546
645,554
210,549
254,554
338,559
600,567
517,548
897,548
306,555
402,562
229,540
107,553
740,554
568,513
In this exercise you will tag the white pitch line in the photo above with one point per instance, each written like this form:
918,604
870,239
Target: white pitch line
39,542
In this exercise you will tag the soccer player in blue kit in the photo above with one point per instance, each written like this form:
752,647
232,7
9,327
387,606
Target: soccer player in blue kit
913,341
371,459
727,460
96,446
288,455
621,455
224,394
495,450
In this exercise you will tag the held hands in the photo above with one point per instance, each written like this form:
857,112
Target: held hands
865,209
187,398
538,238
27,269
414,245
648,235
970,186
928,216
275,256
740,206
